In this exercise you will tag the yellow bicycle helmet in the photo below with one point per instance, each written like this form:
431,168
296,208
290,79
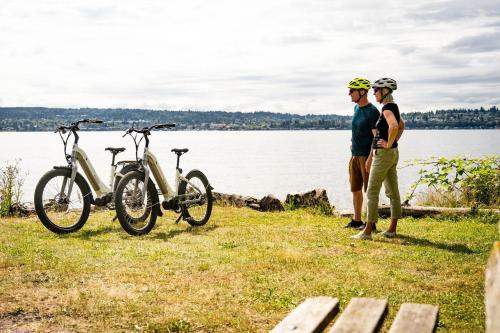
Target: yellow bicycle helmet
359,83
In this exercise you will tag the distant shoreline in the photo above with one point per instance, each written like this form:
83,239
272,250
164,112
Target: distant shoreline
46,119
260,130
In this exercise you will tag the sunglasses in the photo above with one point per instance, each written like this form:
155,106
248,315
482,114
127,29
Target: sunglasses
352,90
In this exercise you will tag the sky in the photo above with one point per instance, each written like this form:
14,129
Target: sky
260,55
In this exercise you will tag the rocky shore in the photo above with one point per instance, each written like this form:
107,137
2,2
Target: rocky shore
316,198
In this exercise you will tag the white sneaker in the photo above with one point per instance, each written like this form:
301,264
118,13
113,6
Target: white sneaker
362,236
388,234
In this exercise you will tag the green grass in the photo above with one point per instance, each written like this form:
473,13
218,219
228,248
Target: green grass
243,272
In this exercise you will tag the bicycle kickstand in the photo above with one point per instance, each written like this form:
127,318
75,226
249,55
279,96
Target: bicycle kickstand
178,219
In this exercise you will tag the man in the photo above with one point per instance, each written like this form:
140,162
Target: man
363,124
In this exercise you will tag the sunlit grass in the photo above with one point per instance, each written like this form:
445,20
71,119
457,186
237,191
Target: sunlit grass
242,272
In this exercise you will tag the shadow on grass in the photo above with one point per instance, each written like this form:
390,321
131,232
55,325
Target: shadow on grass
191,230
88,234
456,248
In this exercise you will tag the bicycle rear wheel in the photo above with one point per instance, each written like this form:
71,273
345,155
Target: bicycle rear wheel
136,207
57,211
197,207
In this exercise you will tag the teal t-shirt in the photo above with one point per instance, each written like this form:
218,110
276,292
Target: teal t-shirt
363,121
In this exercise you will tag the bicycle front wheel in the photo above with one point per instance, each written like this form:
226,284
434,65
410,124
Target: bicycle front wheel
135,206
59,212
196,206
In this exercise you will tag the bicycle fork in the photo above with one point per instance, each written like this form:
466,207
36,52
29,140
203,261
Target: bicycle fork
74,171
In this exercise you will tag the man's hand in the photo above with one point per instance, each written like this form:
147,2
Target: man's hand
368,165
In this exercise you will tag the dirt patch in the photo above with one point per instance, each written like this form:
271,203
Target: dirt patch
11,321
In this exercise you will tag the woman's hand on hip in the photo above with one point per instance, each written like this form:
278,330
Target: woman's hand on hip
383,144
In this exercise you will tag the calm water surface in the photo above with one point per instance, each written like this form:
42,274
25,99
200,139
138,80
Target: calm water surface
253,163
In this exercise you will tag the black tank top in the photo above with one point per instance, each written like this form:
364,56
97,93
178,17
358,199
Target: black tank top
382,126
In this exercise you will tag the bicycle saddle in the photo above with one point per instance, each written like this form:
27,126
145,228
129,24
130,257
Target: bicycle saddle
115,151
180,151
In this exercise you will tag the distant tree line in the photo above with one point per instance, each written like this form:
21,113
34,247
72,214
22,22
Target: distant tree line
46,119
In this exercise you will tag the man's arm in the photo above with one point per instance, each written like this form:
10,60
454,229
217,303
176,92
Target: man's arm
368,163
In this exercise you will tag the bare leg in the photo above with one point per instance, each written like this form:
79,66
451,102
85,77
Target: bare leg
357,201
368,228
393,226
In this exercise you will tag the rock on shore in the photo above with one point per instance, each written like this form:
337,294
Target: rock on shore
316,198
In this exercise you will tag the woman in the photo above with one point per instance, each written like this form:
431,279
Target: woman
385,156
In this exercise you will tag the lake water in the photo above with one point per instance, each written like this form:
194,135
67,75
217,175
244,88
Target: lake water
253,163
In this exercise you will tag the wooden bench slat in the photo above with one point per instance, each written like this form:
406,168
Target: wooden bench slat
312,315
362,315
415,318
492,290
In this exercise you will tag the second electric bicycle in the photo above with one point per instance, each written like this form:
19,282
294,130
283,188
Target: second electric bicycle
136,197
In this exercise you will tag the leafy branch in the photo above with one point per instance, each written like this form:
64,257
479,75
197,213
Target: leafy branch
475,180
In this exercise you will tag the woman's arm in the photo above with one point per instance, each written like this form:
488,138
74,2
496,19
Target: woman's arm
401,129
393,129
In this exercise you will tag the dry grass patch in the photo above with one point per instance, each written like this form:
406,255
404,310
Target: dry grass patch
243,272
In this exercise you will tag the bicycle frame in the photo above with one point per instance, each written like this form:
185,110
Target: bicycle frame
166,190
104,193
151,168
79,155
150,160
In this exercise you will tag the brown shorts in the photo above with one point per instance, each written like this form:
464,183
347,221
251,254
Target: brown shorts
357,173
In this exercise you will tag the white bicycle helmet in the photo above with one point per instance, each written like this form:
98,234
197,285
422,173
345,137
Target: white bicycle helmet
385,83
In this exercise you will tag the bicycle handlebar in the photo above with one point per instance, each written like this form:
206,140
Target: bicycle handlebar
147,130
164,126
74,126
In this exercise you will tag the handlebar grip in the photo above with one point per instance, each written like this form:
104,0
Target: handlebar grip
127,132
165,126
94,121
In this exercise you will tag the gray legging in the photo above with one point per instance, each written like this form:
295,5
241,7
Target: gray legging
384,171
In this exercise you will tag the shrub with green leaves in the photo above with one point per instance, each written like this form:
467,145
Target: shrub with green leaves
461,180
11,183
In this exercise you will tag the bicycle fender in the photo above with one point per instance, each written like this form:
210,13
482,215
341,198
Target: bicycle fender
151,183
86,189
196,170
158,208
62,167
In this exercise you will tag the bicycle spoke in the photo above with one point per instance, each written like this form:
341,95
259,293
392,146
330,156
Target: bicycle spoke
197,203
137,203
61,210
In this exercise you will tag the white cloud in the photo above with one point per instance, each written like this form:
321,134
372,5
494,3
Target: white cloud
282,56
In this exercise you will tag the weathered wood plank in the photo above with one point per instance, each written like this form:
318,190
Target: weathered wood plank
492,291
420,211
425,211
415,318
312,315
362,315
